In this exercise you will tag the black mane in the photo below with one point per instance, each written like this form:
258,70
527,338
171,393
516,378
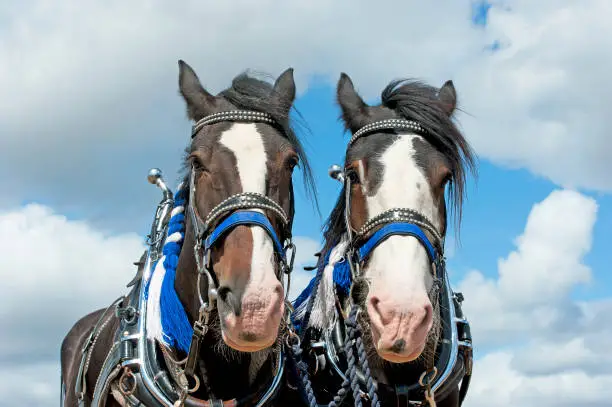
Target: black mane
415,100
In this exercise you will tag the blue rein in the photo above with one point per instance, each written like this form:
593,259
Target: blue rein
395,229
250,218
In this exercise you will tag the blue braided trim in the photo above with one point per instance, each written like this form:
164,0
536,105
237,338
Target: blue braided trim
342,277
176,328
304,294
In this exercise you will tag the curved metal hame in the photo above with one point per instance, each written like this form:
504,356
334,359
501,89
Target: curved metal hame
145,349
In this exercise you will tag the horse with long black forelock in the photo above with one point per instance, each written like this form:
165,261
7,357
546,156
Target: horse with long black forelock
205,321
379,323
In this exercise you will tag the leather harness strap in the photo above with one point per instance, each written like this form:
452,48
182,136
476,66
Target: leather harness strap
87,350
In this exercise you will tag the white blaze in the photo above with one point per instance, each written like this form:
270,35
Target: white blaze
248,147
400,265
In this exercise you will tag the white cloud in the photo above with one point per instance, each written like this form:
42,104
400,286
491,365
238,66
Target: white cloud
542,101
54,271
32,384
86,55
538,276
88,84
548,350
93,86
496,381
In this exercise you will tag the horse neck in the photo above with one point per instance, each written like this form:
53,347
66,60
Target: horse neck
228,372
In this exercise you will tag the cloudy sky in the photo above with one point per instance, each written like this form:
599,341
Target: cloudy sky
89,102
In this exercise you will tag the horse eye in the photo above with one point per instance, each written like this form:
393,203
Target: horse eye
197,164
353,177
292,163
447,179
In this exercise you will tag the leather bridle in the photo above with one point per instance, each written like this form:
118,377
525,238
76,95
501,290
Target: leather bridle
145,380
455,348
246,208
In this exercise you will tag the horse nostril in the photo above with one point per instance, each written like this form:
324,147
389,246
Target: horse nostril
222,292
398,346
374,302
279,290
428,311
226,295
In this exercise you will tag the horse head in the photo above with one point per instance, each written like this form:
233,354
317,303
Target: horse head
240,207
403,155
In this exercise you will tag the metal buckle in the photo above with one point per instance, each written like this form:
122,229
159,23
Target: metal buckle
289,266
127,390
425,381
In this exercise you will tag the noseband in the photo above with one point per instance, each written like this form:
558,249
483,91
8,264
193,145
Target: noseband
396,222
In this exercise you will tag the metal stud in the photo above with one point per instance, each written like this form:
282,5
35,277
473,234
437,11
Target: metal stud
387,124
234,115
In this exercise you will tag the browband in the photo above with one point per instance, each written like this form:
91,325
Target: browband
233,116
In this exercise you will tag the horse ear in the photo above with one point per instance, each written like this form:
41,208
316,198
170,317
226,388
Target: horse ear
284,89
354,109
448,97
200,103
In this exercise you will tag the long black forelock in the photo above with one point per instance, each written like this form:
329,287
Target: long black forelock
415,100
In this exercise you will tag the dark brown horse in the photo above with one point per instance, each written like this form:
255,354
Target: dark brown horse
379,320
204,322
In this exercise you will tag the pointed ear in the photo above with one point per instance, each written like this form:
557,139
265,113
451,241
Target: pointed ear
200,103
284,88
448,97
354,109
